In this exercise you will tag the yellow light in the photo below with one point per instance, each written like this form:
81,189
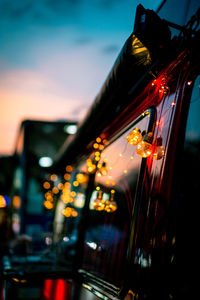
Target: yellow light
120,155
111,205
98,140
46,185
2,201
96,146
125,171
97,153
91,169
73,193
81,178
134,136
98,188
91,166
75,183
132,157
103,170
159,151
99,203
144,148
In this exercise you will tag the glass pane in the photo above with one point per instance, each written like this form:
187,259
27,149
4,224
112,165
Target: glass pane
116,179
69,212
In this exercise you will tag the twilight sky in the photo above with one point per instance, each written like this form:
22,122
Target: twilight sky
55,56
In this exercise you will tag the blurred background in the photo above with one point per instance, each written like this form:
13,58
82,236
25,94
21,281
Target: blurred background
55,56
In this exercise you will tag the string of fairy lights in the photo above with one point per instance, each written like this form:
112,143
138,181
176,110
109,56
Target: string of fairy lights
145,145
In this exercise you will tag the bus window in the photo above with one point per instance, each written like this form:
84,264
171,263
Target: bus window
115,186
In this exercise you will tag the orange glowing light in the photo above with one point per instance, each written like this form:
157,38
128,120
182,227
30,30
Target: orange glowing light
99,203
48,204
69,168
16,202
134,136
69,212
73,193
159,151
55,190
46,185
144,148
111,205
60,186
54,177
81,178
2,201
98,140
67,176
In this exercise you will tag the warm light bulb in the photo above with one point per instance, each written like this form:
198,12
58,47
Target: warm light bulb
134,137
111,205
159,151
103,170
90,166
46,185
48,204
2,201
99,203
144,148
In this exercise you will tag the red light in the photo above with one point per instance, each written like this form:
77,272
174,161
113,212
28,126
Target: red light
173,103
60,290
47,288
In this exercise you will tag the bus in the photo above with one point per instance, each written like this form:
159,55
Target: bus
127,215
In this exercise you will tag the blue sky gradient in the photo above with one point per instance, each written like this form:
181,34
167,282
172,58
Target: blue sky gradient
55,56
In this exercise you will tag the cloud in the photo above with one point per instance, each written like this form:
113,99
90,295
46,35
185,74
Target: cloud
30,95
111,49
15,9
42,11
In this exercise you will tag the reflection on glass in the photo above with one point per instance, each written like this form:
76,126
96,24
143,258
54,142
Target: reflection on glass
68,212
115,188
